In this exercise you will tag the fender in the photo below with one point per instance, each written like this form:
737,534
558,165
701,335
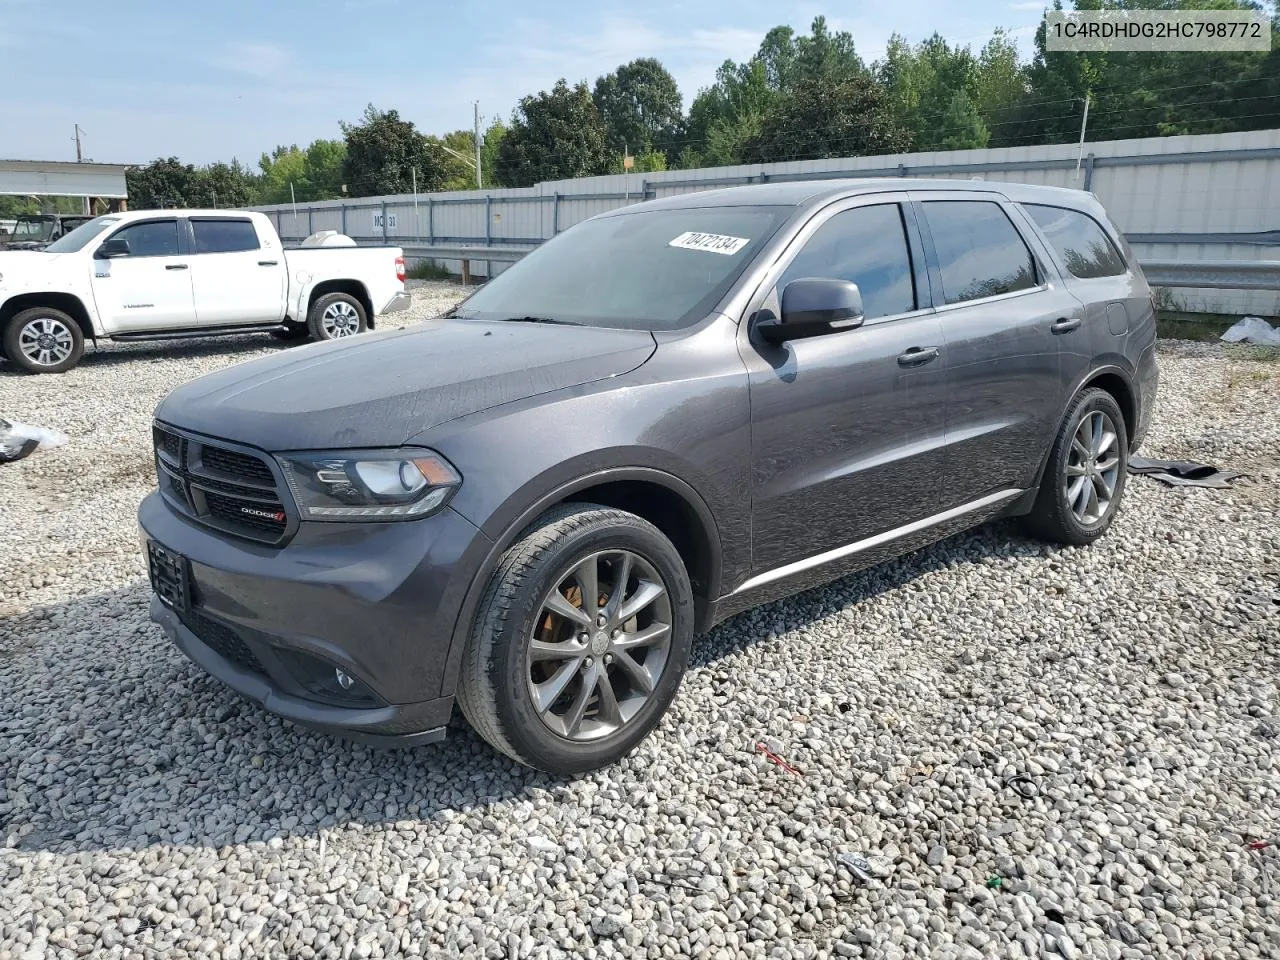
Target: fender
471,601
1110,368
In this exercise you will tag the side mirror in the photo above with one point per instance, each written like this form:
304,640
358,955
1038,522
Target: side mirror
813,306
114,247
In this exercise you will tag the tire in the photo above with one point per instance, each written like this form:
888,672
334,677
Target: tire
43,340
291,332
1076,476
335,316
499,670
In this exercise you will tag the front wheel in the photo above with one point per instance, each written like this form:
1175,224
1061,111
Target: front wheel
580,642
43,340
1085,476
335,316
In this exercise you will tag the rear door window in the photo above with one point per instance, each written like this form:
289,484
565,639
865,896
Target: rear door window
224,236
980,252
865,245
1079,240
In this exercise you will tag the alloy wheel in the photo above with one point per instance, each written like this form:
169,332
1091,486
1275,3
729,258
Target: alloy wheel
340,319
599,645
46,341
1093,468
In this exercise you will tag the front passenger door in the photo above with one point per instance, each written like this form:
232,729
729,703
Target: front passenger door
146,286
848,428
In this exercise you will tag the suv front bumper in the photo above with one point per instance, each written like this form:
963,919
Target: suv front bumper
376,601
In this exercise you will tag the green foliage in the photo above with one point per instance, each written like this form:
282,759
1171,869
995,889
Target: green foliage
819,118
383,151
553,136
12,206
428,270
489,154
650,161
168,182
460,174
639,105
934,89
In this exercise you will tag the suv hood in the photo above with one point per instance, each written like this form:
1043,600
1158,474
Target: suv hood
380,389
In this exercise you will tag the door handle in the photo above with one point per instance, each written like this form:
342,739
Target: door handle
175,266
918,356
268,263
1066,324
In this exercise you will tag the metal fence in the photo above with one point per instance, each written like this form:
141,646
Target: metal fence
1179,200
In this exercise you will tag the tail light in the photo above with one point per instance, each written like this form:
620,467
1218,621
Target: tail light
400,269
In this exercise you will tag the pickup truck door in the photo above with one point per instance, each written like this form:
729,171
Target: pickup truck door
142,280
238,274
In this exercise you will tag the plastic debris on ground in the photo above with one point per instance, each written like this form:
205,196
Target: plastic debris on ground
1183,473
1253,330
777,760
19,440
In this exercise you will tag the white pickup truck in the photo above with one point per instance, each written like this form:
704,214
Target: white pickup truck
170,274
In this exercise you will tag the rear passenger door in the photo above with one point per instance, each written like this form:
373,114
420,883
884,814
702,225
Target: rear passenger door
847,434
236,278
1003,313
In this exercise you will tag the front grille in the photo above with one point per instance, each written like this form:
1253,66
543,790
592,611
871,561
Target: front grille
231,490
223,641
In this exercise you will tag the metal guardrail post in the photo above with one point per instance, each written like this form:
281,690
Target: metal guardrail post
488,222
311,225
431,228
1088,172
344,218
555,214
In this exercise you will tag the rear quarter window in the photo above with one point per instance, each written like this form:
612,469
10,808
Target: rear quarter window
1079,240
980,252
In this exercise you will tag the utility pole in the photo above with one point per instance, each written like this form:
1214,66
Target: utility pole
1084,122
479,179
79,152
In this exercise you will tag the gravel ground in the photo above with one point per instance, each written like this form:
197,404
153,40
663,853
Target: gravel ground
146,811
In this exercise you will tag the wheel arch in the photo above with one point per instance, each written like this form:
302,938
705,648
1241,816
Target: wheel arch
68,303
666,501
1119,384
352,288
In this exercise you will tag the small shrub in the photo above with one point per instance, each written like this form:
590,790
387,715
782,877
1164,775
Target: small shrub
428,270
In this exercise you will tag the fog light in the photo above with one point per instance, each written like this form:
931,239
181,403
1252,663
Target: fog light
344,681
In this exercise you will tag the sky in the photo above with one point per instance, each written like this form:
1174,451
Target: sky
208,81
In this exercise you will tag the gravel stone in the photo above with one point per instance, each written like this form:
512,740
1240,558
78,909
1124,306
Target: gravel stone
147,811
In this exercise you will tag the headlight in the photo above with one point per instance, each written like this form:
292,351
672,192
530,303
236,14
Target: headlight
369,484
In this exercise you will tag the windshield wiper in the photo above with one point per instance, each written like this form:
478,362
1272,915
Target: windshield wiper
568,323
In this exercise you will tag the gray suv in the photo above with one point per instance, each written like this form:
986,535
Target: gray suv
665,415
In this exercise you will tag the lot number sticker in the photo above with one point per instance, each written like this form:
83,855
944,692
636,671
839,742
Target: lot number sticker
710,242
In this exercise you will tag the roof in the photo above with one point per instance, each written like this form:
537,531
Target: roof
62,178
803,192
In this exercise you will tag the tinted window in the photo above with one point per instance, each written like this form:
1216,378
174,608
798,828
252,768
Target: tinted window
646,270
156,238
867,245
979,252
224,236
1083,246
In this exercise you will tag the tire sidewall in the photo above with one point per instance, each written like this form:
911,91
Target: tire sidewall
1093,400
14,354
518,719
315,319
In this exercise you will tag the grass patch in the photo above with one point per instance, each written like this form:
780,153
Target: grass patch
428,270
1180,325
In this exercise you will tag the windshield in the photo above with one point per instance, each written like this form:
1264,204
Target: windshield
648,270
81,235
32,228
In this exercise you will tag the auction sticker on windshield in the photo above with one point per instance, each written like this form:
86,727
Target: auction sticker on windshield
710,242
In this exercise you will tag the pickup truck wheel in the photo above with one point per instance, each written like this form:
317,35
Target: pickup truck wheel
580,641
43,340
1084,479
336,315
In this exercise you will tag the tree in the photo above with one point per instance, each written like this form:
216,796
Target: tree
639,105
312,174
225,185
933,88
553,136
162,183
960,127
648,161
324,168
818,119
383,151
489,154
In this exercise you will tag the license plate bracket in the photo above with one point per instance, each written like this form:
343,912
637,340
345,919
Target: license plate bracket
170,574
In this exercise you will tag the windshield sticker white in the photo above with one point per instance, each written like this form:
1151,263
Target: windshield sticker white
710,242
